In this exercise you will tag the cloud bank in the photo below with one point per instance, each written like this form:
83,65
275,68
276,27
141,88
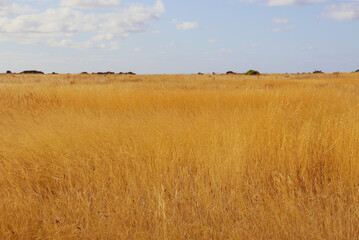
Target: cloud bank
90,4
341,12
69,25
293,2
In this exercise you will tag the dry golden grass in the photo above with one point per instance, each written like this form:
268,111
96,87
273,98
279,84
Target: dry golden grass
179,157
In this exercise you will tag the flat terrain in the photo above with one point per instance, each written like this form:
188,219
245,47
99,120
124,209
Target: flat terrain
179,156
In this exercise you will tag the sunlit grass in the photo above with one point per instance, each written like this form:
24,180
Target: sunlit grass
179,157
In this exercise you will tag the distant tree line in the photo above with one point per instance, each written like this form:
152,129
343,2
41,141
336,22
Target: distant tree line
250,72
27,72
40,72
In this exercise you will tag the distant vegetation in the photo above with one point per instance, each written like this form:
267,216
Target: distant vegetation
129,73
101,73
252,72
31,72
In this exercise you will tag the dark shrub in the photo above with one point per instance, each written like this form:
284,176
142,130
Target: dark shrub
357,70
8,71
230,72
84,73
31,72
131,73
54,73
105,73
252,72
200,73
318,71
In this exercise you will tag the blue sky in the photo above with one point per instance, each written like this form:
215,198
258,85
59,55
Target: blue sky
167,36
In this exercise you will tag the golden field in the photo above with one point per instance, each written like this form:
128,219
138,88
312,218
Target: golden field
179,156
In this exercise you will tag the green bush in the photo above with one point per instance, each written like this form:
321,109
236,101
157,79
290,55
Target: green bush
252,72
318,71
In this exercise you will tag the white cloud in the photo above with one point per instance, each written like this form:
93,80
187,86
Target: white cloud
34,1
187,25
4,2
341,12
272,3
156,32
114,45
170,44
62,20
284,27
7,8
60,26
280,20
293,2
104,37
90,4
83,45
137,50
73,44
211,41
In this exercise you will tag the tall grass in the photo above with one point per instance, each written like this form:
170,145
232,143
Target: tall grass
179,157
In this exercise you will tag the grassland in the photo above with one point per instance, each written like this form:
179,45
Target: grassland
179,157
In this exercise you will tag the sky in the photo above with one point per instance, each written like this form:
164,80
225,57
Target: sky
174,37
